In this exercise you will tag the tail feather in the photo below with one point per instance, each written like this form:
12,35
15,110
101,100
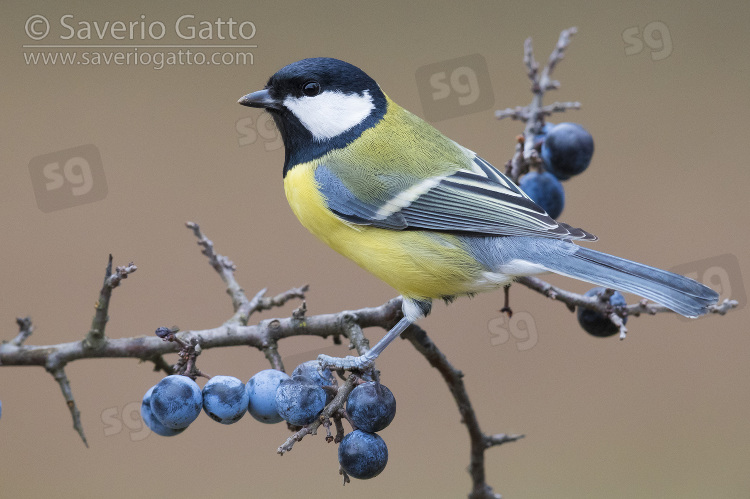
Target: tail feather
681,294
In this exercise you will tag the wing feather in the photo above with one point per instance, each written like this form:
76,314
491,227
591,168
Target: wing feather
481,201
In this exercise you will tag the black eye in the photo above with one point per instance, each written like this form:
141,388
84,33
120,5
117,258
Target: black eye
311,88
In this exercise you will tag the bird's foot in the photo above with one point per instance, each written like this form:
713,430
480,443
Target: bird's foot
348,363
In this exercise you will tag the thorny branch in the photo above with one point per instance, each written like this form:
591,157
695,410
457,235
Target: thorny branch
454,379
95,336
573,300
265,337
526,154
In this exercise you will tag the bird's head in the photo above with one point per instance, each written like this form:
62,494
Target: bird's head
319,104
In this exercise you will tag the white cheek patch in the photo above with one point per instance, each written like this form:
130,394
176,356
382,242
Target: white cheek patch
329,114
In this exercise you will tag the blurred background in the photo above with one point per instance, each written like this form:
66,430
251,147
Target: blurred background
106,158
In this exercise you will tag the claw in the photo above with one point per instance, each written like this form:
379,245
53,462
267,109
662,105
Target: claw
348,363
366,361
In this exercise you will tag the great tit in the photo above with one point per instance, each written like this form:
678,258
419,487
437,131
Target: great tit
424,214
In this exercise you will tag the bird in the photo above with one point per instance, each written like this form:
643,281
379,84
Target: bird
424,214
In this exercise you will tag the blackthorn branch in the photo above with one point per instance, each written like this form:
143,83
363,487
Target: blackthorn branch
533,115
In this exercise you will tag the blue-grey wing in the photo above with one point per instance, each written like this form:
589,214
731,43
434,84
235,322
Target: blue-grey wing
480,201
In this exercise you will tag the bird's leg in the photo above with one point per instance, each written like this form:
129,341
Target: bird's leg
363,362
506,305
413,309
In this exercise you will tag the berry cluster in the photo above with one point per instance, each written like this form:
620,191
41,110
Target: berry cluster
566,150
371,407
272,396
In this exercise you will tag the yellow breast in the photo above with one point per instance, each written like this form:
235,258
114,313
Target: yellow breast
418,264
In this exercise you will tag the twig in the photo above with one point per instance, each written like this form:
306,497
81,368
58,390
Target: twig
499,439
25,328
339,427
723,307
454,379
332,408
62,379
644,307
573,300
222,265
243,307
271,351
96,337
533,114
189,352
260,303
556,56
258,336
558,107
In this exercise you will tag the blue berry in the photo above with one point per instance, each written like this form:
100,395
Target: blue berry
363,455
261,391
149,420
176,401
567,150
595,323
323,378
371,406
225,399
299,400
545,190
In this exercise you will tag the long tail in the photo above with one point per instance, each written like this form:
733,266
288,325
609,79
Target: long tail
681,294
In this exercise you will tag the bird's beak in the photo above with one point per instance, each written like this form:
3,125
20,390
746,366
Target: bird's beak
261,98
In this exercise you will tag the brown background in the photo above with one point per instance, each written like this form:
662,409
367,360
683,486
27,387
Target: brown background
663,414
